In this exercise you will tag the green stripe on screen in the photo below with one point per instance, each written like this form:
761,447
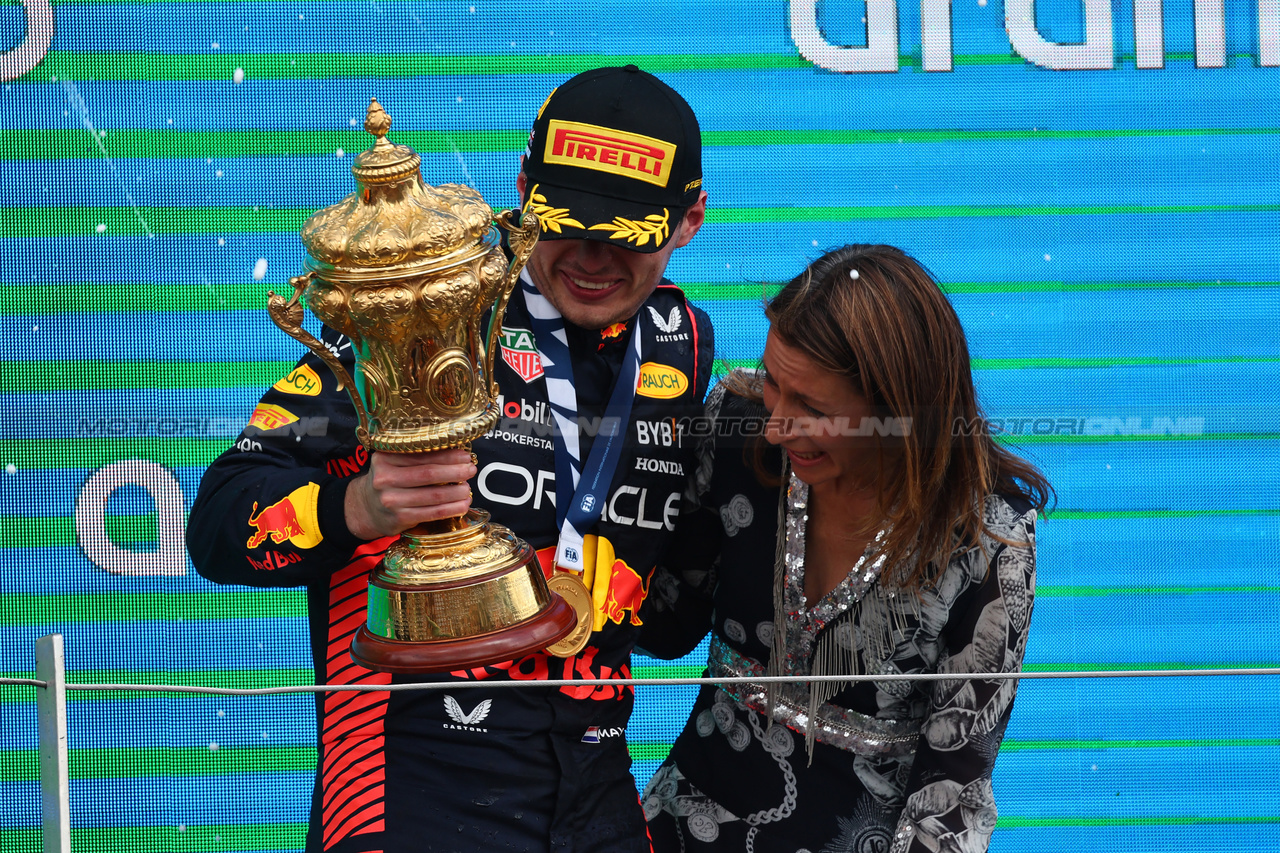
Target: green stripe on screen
72,375
143,221
65,144
242,679
1125,514
25,609
28,610
83,66
168,839
48,532
17,299
1057,363
1045,591
657,751
55,221
1095,286
290,836
225,144
1020,439
1110,822
755,215
95,452
239,679
152,67
1076,363
26,532
133,763
94,298
1015,745
1129,666
139,762
648,751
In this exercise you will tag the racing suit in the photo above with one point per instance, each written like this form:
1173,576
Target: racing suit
534,768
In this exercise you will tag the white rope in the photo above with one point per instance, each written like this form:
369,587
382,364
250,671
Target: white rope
586,682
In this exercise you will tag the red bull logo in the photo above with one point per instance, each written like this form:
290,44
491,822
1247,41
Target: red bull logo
290,519
626,592
588,146
613,331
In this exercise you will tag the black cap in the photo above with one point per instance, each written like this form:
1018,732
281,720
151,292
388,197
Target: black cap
615,155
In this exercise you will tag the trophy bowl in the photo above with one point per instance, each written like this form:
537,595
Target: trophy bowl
407,272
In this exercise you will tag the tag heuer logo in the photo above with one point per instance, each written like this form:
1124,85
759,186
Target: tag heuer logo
519,352
464,720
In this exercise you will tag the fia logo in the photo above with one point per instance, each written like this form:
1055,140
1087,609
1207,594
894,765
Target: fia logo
588,503
571,554
466,721
671,324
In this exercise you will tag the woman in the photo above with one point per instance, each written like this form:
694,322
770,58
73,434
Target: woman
871,526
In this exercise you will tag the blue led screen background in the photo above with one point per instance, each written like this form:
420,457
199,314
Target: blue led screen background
1094,184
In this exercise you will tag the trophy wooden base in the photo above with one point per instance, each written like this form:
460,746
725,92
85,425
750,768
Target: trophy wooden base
458,594
436,656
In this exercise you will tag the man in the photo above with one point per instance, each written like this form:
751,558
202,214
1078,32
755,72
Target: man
613,169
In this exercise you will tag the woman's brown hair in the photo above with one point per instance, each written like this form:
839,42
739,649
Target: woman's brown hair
875,316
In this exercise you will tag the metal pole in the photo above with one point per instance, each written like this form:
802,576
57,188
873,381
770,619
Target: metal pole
55,769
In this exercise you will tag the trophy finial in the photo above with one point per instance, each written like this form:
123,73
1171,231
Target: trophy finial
377,122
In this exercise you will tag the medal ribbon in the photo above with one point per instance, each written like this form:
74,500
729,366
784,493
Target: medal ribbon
579,500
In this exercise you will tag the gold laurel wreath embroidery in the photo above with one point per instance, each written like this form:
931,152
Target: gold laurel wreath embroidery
637,232
550,217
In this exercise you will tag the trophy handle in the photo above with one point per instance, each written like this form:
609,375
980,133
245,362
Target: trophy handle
523,236
287,314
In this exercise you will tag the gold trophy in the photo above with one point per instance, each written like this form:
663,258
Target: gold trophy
407,271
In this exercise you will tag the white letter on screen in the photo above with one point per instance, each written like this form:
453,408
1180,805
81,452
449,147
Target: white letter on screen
16,62
1269,33
935,34
1148,33
880,54
1211,34
1094,52
170,556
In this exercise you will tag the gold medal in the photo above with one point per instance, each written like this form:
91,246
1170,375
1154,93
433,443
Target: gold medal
569,586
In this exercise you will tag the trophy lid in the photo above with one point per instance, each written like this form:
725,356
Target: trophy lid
394,223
